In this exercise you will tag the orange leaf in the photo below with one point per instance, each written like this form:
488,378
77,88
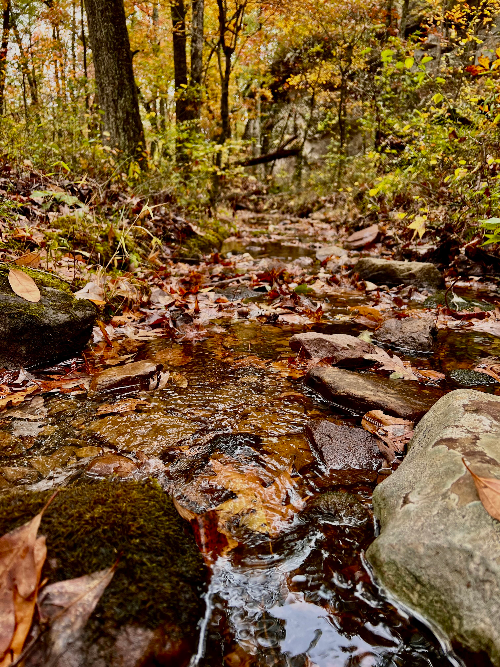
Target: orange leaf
484,62
24,285
488,489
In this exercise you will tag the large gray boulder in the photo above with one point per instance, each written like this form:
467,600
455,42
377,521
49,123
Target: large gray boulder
57,327
392,272
439,550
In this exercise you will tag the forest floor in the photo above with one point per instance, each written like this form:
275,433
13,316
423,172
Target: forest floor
213,332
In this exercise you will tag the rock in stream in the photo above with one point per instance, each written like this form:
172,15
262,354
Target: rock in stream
439,550
392,272
57,327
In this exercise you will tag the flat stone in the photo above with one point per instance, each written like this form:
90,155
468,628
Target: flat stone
20,475
341,448
112,464
136,432
402,398
392,272
129,377
409,334
339,349
57,327
438,552
45,464
329,251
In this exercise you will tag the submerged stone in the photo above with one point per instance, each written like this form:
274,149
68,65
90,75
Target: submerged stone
438,550
469,378
129,377
57,327
392,272
339,508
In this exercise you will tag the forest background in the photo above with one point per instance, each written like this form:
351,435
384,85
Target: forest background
165,111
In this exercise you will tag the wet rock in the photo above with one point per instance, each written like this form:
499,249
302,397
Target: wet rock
339,349
130,377
57,327
329,251
465,377
408,334
392,272
370,392
341,448
456,302
112,464
148,433
46,464
154,603
438,548
85,452
339,508
19,475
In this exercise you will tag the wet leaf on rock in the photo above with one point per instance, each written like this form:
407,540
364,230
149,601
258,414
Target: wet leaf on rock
488,489
179,379
393,431
24,285
66,606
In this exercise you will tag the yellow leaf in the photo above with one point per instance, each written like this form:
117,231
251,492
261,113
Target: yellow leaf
418,225
484,62
24,285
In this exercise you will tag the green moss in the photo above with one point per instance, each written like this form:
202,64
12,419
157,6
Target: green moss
42,278
214,234
160,575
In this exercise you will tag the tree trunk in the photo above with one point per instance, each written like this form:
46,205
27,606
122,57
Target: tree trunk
114,76
3,50
404,18
24,62
183,111
198,13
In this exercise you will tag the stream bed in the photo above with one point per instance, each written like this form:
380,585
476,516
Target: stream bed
298,596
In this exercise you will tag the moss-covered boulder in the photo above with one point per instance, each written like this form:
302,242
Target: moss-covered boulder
57,327
157,589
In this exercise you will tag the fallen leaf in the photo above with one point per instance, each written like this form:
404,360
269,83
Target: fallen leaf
24,285
393,431
31,259
399,369
17,397
93,292
368,312
363,237
127,405
183,511
173,356
488,489
66,606
22,555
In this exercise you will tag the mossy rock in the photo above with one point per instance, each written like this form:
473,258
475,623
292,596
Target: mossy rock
456,302
210,240
160,577
464,377
57,327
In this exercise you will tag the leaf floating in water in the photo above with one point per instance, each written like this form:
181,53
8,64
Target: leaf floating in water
183,511
67,606
127,405
24,285
488,489
22,555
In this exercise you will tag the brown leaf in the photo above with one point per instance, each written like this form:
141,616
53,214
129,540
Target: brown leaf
179,379
22,556
17,397
393,431
488,489
183,511
24,285
31,259
369,312
67,606
399,369
363,237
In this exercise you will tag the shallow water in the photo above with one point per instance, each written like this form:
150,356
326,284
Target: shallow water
302,598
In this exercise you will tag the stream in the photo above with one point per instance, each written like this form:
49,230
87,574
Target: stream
304,596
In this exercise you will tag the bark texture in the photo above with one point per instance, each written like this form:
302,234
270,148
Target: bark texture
114,75
183,111
198,12
3,49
